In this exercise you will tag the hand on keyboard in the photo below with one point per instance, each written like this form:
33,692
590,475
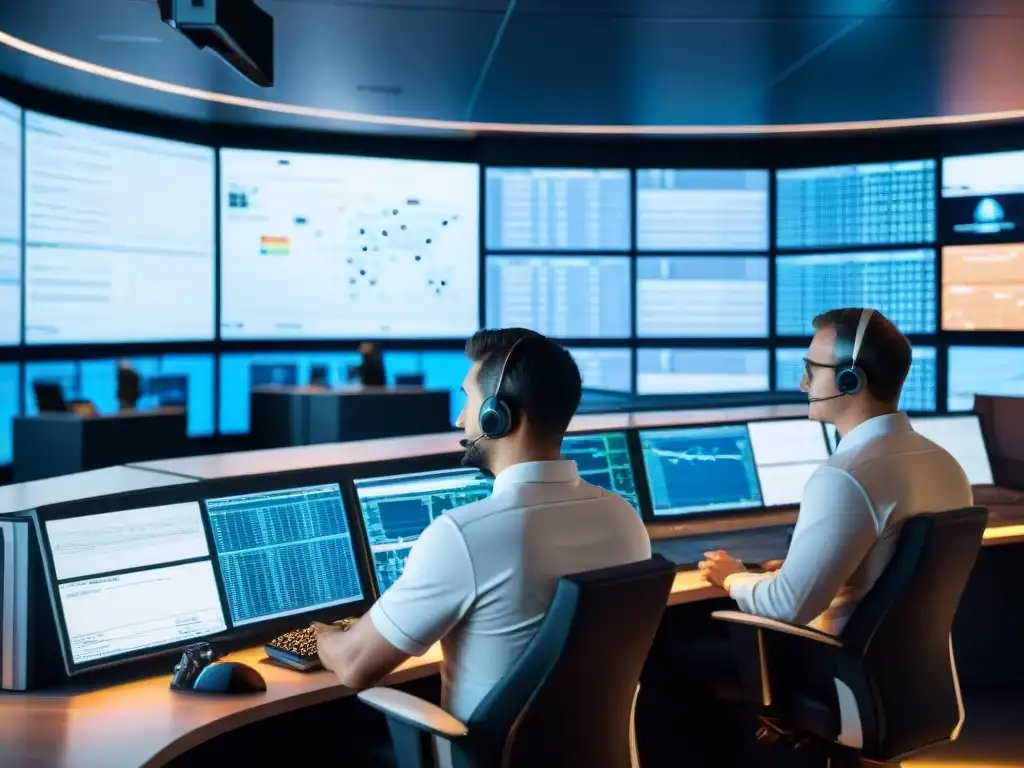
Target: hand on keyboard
298,648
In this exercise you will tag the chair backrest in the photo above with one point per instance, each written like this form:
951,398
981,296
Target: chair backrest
569,698
901,631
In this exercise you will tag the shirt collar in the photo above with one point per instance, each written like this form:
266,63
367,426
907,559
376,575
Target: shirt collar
866,431
560,471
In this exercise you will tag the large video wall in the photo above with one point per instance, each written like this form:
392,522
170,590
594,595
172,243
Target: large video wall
209,261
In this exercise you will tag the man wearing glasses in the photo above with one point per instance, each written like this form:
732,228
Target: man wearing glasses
854,505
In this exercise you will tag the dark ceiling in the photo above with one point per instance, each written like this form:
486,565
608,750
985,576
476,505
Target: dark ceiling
564,62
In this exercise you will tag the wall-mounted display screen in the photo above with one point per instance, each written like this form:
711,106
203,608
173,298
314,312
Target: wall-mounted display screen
119,236
318,246
983,371
700,469
701,210
983,287
558,209
983,198
11,156
564,297
167,381
610,369
855,205
702,296
693,371
9,408
919,390
900,284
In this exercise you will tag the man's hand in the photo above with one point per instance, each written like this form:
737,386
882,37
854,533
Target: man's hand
718,566
325,637
772,565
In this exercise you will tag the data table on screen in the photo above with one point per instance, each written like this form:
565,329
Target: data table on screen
11,156
900,284
610,369
668,371
702,210
333,246
10,400
566,297
855,205
919,390
603,460
983,371
398,508
119,236
700,469
983,287
284,552
132,580
702,296
550,209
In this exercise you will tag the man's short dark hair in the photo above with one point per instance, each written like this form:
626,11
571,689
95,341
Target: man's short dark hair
541,380
884,355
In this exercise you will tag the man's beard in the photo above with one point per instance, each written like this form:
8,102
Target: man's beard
476,457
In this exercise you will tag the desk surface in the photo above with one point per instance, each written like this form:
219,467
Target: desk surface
350,389
81,485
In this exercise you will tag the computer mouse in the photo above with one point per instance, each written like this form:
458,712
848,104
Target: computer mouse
229,677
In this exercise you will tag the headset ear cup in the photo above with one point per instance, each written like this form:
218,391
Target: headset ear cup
495,418
848,381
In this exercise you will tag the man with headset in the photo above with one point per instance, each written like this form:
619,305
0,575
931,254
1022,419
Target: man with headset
854,505
481,577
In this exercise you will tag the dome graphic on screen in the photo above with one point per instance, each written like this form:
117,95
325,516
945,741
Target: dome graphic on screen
988,212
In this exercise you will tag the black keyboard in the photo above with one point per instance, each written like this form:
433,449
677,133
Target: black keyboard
750,547
297,649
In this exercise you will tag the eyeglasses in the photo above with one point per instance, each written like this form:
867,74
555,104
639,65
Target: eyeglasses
810,365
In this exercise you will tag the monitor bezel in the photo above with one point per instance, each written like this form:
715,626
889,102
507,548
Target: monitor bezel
232,638
655,519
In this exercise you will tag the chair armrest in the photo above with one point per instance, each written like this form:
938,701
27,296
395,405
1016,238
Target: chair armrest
414,711
774,625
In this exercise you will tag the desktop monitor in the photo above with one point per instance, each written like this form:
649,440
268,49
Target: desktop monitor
786,454
396,509
49,397
131,583
284,552
603,460
960,435
695,470
165,391
273,375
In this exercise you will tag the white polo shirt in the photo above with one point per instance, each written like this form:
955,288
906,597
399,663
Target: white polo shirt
853,508
481,577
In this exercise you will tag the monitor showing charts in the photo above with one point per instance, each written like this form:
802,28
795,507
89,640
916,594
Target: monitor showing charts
132,581
398,508
855,205
702,296
983,287
701,210
694,470
983,198
983,371
11,156
608,369
668,371
558,209
962,437
919,390
603,460
119,238
284,552
786,454
901,284
565,297
332,246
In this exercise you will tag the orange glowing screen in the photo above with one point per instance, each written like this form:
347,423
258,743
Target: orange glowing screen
983,287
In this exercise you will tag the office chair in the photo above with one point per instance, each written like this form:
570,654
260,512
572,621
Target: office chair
569,699
886,687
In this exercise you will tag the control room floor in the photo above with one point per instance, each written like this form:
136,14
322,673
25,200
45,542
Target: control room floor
992,735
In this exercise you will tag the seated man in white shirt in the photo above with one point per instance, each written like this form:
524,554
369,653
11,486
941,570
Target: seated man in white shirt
481,577
854,504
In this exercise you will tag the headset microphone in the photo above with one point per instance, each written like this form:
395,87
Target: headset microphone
822,399
466,444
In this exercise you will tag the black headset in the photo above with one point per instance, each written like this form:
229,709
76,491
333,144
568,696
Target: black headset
495,411
848,378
